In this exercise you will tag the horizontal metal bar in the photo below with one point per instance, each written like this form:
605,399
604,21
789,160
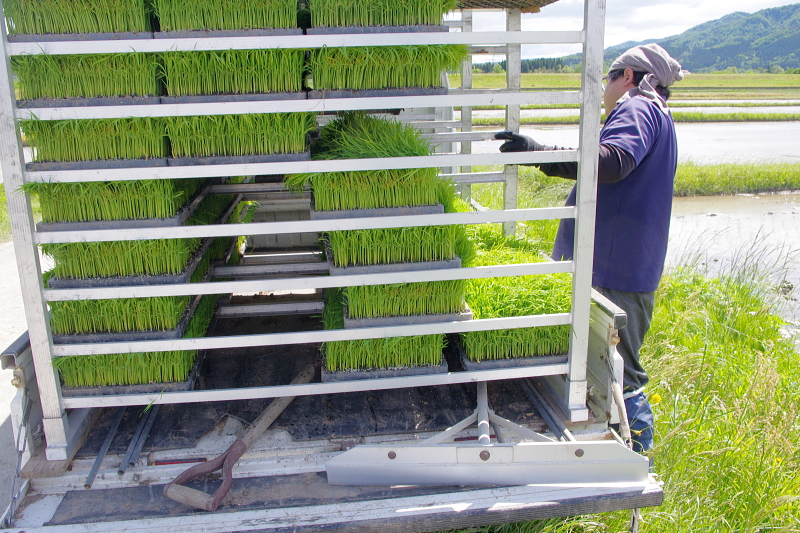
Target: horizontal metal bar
479,177
472,98
252,393
294,308
309,337
305,226
310,282
492,50
240,188
318,267
280,257
426,125
125,46
460,136
296,167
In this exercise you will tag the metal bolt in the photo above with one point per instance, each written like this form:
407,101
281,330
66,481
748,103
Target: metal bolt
392,455
484,455
136,477
578,453
15,381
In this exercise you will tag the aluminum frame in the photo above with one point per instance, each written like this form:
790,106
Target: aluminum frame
61,435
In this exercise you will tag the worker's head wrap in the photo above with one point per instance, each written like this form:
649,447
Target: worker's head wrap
661,69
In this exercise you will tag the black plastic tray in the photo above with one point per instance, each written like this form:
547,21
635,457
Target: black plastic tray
325,30
377,212
88,102
238,159
212,98
93,165
183,34
375,93
48,37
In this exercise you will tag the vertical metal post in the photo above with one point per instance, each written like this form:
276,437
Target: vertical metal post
586,201
484,435
514,83
466,111
12,161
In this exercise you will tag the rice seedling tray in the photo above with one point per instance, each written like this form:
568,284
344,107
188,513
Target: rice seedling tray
202,34
511,362
350,323
119,281
178,220
377,212
49,37
213,98
91,165
379,373
88,102
132,336
238,159
376,93
109,390
390,267
325,30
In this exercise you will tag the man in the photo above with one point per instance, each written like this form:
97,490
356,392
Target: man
637,162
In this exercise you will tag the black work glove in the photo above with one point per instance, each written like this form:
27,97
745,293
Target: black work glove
518,143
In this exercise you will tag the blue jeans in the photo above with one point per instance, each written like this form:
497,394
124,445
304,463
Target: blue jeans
640,418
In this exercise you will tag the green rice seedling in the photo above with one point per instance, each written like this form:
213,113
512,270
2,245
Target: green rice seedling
242,214
394,245
232,135
123,314
393,352
138,368
356,135
76,16
82,260
378,13
517,296
405,299
175,15
97,139
383,67
86,76
233,72
113,200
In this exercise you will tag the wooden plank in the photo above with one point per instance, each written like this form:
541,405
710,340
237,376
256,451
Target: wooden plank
39,467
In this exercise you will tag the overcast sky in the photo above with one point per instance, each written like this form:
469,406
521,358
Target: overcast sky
626,20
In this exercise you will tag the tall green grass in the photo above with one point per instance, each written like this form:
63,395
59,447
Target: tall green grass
393,352
384,66
233,72
88,76
76,16
174,15
734,178
113,200
137,368
97,139
378,13
232,135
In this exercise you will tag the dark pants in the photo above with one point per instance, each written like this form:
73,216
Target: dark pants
639,308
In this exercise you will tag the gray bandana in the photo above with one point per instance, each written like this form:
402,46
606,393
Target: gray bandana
660,67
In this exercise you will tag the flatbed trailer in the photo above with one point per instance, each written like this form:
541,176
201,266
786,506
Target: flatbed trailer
430,452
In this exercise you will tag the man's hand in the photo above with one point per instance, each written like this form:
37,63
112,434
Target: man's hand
518,143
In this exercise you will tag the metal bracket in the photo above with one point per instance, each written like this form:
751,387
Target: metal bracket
539,460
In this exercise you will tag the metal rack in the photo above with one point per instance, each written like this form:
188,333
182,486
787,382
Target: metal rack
65,419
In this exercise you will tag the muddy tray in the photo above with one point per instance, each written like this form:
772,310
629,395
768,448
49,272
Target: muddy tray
133,336
511,362
238,159
377,212
351,375
213,98
35,103
375,93
386,321
145,388
325,30
201,34
50,37
95,165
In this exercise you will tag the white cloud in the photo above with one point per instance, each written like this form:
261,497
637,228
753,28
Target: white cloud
626,20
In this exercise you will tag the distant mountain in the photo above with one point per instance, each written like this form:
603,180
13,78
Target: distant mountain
767,38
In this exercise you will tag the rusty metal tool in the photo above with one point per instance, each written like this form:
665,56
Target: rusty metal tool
201,500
